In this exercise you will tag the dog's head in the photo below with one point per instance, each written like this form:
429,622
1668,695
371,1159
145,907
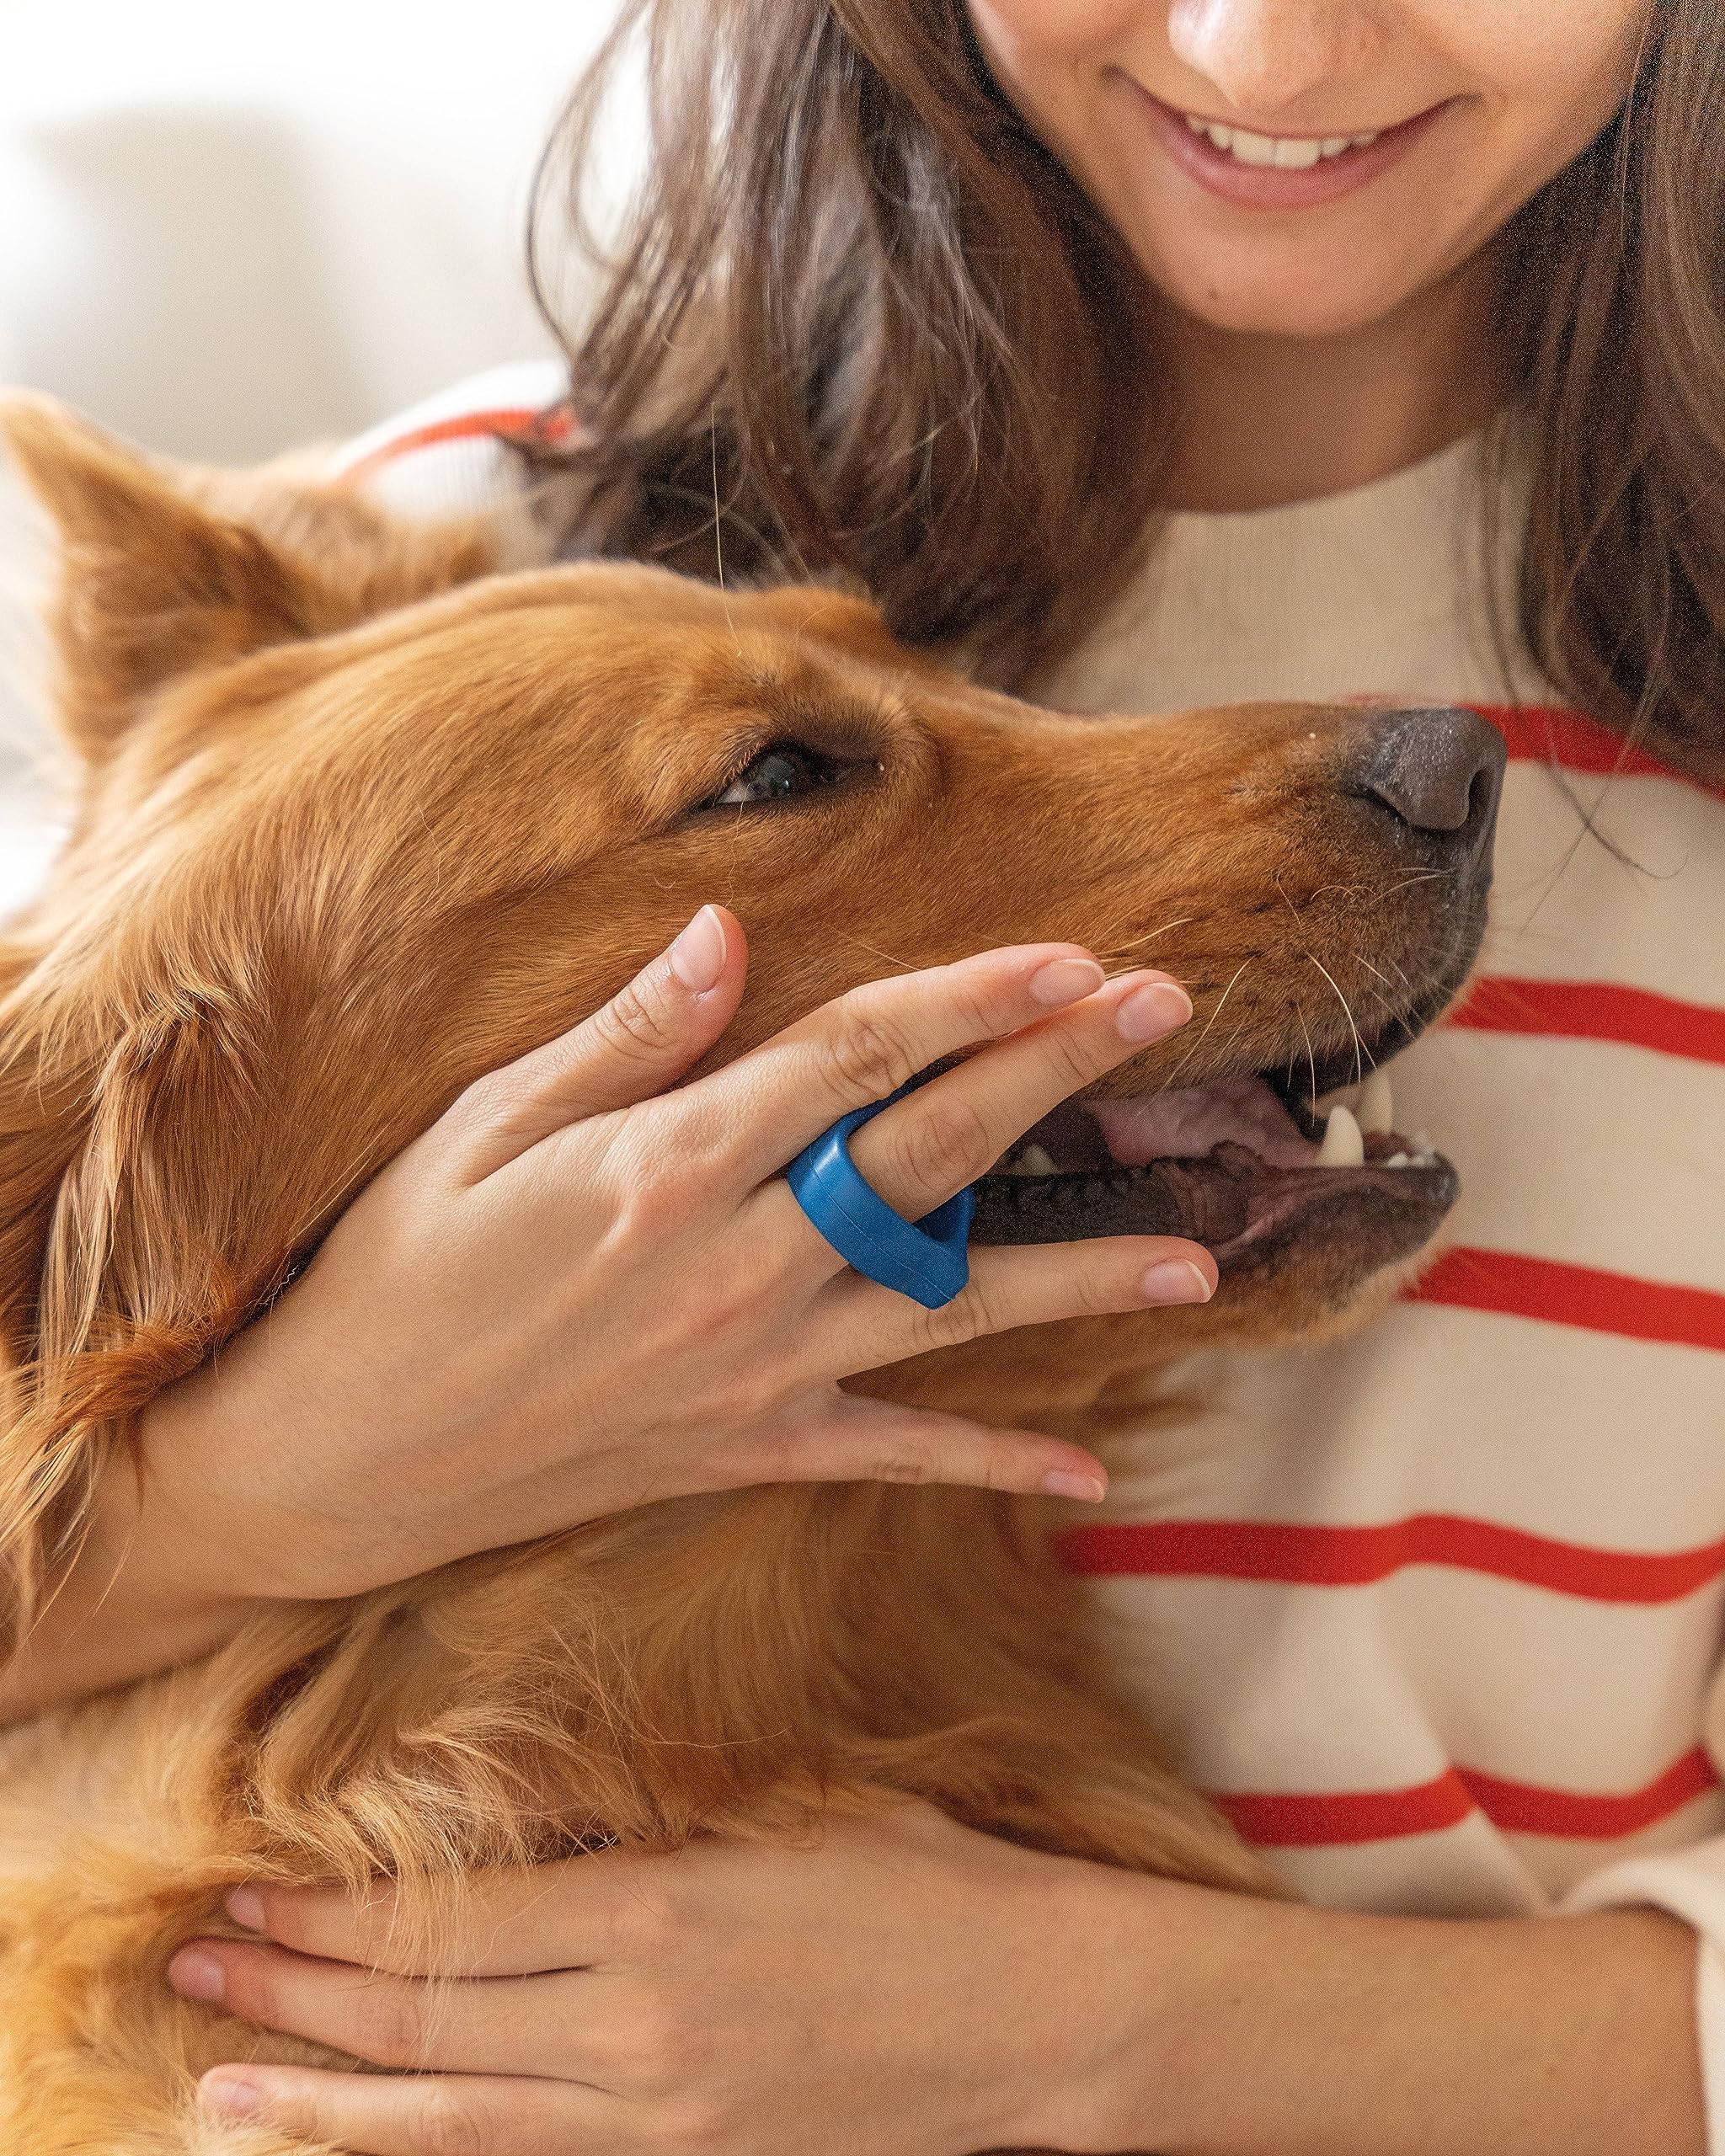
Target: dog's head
359,821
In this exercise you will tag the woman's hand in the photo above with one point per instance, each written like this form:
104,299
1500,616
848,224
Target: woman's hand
903,1987
906,1988
586,1286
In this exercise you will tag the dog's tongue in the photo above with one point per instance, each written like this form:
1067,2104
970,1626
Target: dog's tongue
1185,1126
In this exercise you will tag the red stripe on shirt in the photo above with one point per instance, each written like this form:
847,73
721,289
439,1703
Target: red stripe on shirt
1298,1553
1595,1011
1547,733
1354,1816
553,425
1509,1284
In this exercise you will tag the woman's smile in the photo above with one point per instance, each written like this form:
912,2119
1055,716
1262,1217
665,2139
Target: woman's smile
1279,172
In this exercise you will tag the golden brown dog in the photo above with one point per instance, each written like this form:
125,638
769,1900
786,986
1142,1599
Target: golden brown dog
359,822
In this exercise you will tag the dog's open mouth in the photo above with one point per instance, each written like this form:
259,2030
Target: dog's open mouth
1243,1165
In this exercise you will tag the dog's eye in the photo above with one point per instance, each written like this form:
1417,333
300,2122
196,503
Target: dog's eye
785,769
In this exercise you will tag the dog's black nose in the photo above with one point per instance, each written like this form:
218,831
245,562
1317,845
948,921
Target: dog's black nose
1438,772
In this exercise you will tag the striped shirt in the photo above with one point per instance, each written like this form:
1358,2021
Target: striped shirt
1434,1611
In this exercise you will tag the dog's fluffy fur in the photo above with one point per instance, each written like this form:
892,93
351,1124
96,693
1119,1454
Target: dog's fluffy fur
359,822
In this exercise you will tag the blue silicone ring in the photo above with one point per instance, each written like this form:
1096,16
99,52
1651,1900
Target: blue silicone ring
928,1260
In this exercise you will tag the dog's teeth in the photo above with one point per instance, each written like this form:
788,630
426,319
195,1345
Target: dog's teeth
1030,1160
1374,1110
1344,1147
1398,1160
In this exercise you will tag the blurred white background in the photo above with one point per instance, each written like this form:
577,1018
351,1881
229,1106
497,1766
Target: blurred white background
228,229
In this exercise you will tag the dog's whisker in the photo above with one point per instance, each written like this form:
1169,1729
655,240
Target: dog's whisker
1108,951
718,530
1360,1055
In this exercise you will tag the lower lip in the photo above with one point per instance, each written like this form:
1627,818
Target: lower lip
1277,187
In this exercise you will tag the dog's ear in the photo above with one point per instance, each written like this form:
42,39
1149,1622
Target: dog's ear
166,570
131,1241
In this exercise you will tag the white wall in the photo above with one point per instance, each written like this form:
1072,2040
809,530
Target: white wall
227,227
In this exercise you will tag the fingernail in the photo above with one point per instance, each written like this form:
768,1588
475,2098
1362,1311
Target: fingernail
1176,1280
1064,980
1152,1012
245,1905
698,956
1061,1483
194,1974
230,2095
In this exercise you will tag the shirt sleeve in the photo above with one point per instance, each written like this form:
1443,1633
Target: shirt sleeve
1689,1883
446,457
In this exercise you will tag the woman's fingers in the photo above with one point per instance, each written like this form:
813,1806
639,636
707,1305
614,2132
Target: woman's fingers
517,1923
953,1129
492,2025
863,1046
459,2114
868,1326
840,1436
650,1033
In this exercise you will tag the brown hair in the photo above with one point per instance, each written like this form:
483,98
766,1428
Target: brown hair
857,320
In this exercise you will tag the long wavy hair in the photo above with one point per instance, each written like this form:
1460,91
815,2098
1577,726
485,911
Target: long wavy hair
856,319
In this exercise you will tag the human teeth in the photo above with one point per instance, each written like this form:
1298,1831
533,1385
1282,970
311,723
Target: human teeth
1374,1110
1287,153
1344,1147
1246,147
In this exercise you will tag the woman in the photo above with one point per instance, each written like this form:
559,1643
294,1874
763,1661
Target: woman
1144,353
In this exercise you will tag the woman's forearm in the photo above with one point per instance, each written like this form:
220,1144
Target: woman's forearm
1247,2029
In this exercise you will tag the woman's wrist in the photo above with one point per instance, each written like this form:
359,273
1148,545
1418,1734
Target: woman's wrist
1143,1967
135,1597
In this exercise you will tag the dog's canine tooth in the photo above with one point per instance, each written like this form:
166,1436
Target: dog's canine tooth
1374,1109
1344,1147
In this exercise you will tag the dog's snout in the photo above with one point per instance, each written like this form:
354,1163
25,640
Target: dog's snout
1437,771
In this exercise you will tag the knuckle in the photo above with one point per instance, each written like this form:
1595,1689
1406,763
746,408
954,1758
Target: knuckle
659,2044
390,2029
1071,1058
451,2124
963,1319
696,2124
908,1467
649,1207
869,1057
632,1024
946,1141
1097,1295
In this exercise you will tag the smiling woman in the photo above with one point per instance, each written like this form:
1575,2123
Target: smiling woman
1079,310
